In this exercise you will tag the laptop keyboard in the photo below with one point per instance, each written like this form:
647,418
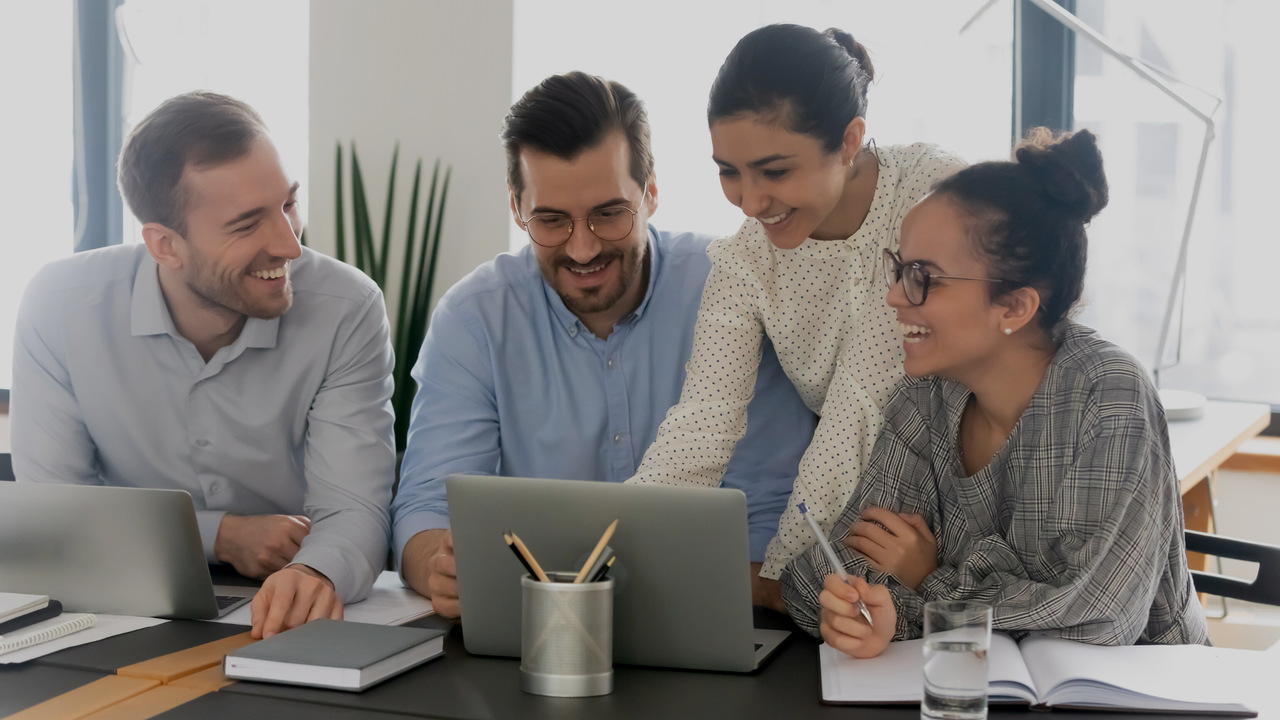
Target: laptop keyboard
226,601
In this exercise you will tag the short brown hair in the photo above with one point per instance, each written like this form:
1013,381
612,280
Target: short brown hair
567,114
196,128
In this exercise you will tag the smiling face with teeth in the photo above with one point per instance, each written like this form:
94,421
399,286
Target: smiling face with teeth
788,182
598,281
242,230
958,331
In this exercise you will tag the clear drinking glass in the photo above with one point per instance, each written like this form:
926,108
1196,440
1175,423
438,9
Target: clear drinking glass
957,635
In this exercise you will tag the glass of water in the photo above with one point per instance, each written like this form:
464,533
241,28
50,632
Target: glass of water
956,637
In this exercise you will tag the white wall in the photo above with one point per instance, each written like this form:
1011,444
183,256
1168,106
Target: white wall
434,75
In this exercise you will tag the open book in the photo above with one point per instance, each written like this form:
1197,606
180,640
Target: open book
1048,672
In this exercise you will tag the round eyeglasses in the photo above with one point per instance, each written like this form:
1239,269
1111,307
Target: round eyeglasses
915,279
610,224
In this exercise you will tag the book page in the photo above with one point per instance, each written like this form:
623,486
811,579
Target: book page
897,674
1138,676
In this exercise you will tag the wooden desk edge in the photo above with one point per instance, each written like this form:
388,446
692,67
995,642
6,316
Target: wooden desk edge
1187,481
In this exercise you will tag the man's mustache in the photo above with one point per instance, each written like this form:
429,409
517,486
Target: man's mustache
604,256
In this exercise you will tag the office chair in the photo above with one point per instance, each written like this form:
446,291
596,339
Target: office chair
1264,589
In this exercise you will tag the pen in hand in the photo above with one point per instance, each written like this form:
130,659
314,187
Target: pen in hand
833,559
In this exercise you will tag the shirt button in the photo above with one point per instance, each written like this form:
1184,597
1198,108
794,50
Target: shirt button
203,442
610,362
216,486
617,438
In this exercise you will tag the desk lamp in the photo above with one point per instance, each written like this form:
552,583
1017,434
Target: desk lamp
1178,404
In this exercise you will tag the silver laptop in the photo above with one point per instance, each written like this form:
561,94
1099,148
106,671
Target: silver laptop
121,551
682,594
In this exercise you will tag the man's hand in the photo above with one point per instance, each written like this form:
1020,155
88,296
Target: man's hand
844,628
899,544
295,595
765,592
430,569
259,545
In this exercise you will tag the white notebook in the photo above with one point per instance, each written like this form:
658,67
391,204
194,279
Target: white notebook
1048,672
45,631
14,605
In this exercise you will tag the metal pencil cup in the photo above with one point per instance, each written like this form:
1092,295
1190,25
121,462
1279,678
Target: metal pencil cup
566,636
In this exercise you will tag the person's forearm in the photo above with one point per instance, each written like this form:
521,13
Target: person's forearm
417,554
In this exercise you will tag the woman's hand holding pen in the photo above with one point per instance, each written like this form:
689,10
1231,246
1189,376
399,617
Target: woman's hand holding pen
899,544
842,625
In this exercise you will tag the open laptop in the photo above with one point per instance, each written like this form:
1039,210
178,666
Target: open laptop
121,551
682,595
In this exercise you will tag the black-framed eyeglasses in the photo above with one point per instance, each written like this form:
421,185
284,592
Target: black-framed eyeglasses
610,224
915,279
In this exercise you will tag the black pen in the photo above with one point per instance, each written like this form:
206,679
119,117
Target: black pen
604,571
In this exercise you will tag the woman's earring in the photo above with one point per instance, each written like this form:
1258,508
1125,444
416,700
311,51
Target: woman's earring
1008,331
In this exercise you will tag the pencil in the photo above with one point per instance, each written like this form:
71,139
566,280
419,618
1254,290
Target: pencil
591,559
528,557
511,544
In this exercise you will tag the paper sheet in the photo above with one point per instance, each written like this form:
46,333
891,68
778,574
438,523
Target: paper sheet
107,626
389,603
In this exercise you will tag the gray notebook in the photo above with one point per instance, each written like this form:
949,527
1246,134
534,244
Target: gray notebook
335,654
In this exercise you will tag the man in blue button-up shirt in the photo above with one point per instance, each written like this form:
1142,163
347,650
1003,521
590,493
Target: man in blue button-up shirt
562,359
222,359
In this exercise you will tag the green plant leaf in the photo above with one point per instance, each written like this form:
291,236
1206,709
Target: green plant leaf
339,207
360,216
382,262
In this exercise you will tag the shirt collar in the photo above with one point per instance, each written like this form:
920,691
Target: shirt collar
571,323
149,314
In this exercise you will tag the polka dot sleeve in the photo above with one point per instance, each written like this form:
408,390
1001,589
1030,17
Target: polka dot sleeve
696,441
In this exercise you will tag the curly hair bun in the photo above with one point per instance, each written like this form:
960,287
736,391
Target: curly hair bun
855,50
1068,168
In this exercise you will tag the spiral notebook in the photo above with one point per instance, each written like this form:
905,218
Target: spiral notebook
45,631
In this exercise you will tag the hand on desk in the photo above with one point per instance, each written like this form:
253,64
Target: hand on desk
900,544
430,569
843,627
259,545
295,595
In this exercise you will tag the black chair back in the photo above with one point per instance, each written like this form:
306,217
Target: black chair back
1264,589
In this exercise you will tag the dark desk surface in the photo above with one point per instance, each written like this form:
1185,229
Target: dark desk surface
464,687
22,686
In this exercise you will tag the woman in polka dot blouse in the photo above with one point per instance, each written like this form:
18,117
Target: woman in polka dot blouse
787,132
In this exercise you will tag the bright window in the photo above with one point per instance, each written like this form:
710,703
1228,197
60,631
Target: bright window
1231,337
254,51
36,184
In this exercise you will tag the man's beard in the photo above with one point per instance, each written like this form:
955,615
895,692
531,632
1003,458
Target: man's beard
598,299
222,292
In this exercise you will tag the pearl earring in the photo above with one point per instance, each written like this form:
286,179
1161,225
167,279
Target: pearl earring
1008,331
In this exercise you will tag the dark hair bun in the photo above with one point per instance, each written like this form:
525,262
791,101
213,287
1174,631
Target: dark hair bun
855,50
1068,168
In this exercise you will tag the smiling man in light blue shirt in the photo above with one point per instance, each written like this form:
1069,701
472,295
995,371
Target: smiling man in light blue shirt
562,359
222,359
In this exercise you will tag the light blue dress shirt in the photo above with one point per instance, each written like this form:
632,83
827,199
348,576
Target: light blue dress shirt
294,417
510,382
